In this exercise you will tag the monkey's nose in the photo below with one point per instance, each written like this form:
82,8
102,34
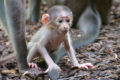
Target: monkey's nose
65,28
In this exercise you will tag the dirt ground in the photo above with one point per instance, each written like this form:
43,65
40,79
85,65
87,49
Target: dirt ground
104,53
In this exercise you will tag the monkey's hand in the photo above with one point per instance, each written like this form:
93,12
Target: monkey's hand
34,69
33,65
53,71
85,66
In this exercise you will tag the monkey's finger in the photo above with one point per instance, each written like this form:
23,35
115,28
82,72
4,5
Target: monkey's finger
33,65
83,67
89,65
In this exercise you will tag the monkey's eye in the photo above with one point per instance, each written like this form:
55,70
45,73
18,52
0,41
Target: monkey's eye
60,21
68,20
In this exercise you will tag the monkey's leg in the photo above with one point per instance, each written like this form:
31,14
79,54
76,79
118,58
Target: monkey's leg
32,53
15,20
34,11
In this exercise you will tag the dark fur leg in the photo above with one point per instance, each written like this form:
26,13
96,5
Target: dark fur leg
15,20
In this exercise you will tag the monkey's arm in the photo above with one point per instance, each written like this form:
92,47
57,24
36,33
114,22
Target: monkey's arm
32,52
53,69
71,53
70,50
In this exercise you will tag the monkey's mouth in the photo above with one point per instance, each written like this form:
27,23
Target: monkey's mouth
64,31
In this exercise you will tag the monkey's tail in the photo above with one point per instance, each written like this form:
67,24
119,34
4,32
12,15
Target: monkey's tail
7,58
90,24
87,39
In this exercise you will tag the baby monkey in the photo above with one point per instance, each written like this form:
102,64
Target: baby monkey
53,34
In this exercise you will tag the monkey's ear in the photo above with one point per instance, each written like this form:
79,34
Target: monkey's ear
45,18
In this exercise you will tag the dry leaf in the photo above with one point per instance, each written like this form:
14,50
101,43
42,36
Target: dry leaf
8,71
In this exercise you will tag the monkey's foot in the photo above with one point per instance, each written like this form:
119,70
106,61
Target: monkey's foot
53,71
85,66
33,65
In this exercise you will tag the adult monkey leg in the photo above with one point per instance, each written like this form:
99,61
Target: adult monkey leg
15,20
33,11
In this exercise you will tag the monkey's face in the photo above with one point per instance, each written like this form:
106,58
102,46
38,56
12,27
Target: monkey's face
63,24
